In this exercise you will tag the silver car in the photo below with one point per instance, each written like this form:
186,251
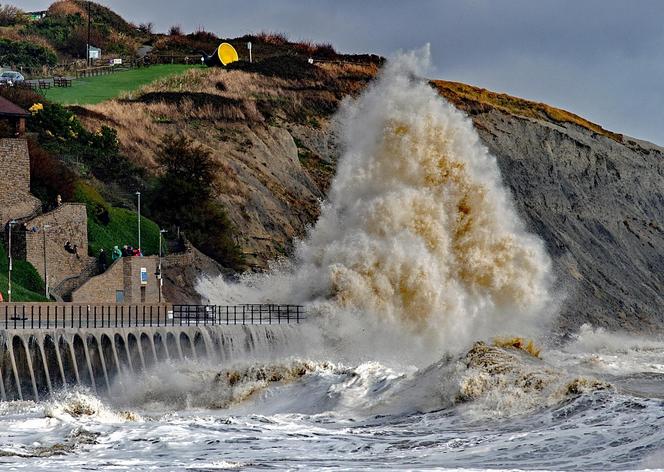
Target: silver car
11,77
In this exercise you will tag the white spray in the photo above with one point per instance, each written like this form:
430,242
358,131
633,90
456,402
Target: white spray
418,235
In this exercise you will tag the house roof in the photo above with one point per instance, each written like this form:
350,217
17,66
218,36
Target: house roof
9,109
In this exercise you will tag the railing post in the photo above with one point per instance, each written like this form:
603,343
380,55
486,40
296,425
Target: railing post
121,316
48,316
23,315
95,317
235,314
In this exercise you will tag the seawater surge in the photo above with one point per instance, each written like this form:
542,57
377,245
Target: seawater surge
418,260
418,240
37,363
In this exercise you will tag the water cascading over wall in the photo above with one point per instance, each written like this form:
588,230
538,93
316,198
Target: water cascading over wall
34,364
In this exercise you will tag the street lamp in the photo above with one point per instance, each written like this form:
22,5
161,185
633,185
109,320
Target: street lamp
138,194
159,273
44,228
9,278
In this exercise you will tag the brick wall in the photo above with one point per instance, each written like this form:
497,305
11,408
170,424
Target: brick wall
123,275
69,222
15,198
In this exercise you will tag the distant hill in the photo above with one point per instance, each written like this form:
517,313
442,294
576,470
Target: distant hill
63,33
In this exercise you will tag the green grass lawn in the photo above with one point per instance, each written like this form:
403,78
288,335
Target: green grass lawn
27,285
93,90
121,228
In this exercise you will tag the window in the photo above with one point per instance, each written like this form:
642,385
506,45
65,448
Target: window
142,294
119,296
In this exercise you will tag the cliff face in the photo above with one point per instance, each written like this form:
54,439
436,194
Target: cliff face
599,206
595,197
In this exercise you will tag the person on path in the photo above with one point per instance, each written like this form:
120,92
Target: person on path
102,261
116,254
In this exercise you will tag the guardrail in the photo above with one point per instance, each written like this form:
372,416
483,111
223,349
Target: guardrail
54,316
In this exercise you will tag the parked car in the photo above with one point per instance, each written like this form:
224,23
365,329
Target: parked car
11,77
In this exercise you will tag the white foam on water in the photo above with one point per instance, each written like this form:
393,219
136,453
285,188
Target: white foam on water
418,244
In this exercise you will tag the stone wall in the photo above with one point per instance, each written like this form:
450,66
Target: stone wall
67,223
124,276
15,199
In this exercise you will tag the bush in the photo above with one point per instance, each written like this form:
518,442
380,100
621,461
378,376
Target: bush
61,133
182,197
25,54
11,15
49,177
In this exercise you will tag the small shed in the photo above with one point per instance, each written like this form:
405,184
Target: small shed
94,53
37,15
14,114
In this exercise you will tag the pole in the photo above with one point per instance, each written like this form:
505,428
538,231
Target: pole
44,228
9,278
160,276
139,221
87,58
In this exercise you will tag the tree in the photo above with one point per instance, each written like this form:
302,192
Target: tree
183,196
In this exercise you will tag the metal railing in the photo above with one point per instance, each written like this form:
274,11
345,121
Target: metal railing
54,316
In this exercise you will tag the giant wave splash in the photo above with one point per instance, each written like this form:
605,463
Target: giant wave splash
418,233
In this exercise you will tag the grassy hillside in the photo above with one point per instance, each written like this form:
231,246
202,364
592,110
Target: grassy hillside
27,285
474,99
109,226
93,90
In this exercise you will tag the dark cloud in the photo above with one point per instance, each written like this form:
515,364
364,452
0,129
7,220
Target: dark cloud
602,59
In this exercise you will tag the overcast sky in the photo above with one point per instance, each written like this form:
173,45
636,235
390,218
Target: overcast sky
602,59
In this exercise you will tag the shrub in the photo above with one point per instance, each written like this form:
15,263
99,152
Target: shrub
182,197
61,133
49,177
25,54
11,15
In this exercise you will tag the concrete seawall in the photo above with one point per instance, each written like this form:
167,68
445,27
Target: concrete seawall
35,362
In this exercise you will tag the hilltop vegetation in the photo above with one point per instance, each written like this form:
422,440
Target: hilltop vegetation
91,90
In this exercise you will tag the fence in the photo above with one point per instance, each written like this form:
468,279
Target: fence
54,316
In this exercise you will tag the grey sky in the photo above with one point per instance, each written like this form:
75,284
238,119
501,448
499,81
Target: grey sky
602,59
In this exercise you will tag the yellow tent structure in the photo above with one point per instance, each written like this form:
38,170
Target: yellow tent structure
227,54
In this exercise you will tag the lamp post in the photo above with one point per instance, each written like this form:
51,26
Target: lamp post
159,273
87,58
138,194
9,277
44,228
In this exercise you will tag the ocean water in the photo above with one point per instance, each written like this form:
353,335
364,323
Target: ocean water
594,404
423,287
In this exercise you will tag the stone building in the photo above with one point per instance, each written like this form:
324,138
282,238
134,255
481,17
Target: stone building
127,280
16,201
43,238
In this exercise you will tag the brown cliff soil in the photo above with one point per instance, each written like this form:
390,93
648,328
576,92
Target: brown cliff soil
266,124
475,100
